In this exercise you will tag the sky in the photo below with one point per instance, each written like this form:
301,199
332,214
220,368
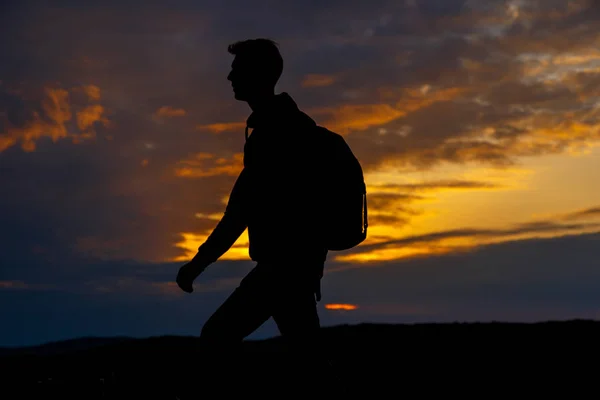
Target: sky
476,123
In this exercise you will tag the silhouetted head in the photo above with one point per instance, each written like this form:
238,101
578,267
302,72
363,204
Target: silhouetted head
256,68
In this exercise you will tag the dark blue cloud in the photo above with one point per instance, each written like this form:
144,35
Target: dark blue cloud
525,280
534,274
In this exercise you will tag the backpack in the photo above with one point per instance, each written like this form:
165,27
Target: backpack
345,194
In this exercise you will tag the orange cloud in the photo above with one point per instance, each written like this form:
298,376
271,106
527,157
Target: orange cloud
52,122
359,117
222,127
168,111
92,91
352,117
89,116
6,142
317,80
345,307
347,118
205,164
341,119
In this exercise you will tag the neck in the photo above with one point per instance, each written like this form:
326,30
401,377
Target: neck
261,100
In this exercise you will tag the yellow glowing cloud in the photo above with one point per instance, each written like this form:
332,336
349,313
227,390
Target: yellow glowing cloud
213,217
542,192
205,164
191,241
462,242
415,249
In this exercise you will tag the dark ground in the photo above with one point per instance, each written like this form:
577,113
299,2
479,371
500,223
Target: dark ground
372,360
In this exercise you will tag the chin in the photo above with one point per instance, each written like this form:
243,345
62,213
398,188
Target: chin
239,96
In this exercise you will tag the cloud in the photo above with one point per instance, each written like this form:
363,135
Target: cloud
223,127
359,117
455,184
344,307
168,112
440,47
585,214
317,80
516,280
414,86
458,240
92,91
590,212
391,208
206,164
119,277
526,280
51,117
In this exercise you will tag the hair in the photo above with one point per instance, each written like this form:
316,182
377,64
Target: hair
265,50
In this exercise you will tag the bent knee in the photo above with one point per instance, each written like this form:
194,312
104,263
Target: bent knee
215,336
211,333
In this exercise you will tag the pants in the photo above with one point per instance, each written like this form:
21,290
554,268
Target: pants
285,293
267,291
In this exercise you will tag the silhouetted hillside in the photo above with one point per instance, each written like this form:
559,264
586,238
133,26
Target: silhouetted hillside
63,346
370,358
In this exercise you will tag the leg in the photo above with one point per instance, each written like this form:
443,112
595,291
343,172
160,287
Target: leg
295,313
294,304
219,354
244,311
296,316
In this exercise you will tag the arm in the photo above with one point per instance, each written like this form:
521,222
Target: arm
231,226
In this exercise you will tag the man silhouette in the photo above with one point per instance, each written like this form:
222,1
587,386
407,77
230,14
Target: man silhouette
276,198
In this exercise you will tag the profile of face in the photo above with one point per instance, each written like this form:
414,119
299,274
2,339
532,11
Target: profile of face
245,79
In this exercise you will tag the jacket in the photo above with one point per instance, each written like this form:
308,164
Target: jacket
276,195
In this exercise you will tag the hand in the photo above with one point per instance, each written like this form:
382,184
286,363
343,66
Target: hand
317,289
187,273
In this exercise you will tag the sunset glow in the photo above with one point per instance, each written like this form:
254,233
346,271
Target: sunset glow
477,124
